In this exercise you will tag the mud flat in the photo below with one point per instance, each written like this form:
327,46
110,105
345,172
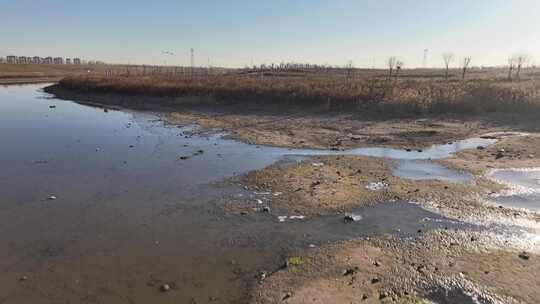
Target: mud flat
435,267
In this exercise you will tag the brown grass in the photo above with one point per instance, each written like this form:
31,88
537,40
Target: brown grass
416,93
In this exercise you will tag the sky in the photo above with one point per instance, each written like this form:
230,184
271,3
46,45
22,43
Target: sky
236,33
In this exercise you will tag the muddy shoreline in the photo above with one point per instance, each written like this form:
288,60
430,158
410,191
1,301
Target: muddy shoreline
27,80
293,126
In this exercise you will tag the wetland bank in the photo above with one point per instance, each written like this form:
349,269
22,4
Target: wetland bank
110,205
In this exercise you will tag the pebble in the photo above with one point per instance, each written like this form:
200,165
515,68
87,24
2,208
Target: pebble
51,198
286,296
524,255
165,288
350,271
261,276
352,218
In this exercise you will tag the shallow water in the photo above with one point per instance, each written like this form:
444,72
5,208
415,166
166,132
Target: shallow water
136,206
523,188
424,170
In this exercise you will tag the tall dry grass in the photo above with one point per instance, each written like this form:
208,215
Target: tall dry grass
393,97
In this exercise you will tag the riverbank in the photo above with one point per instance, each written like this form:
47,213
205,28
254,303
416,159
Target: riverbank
299,127
27,80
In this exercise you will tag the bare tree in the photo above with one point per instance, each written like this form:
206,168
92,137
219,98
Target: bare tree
521,60
511,66
466,62
447,57
391,64
399,66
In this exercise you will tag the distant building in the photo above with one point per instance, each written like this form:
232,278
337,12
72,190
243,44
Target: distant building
22,60
36,60
68,60
48,60
12,59
58,60
77,61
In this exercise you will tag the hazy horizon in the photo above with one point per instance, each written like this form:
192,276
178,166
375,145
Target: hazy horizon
240,33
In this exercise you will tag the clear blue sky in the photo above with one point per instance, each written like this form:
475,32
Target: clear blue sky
238,32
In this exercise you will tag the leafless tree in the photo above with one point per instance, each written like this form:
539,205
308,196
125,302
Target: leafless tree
466,62
511,66
520,61
448,58
391,65
399,66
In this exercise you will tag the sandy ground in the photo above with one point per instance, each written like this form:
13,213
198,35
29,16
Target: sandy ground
337,131
331,184
406,271
510,152
338,184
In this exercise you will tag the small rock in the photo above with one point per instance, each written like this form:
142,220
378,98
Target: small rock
524,256
165,288
375,280
261,276
52,107
51,198
352,218
286,296
377,263
350,271
480,148
266,209
23,278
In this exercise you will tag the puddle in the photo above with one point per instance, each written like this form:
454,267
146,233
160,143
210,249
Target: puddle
424,170
134,207
523,188
453,296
